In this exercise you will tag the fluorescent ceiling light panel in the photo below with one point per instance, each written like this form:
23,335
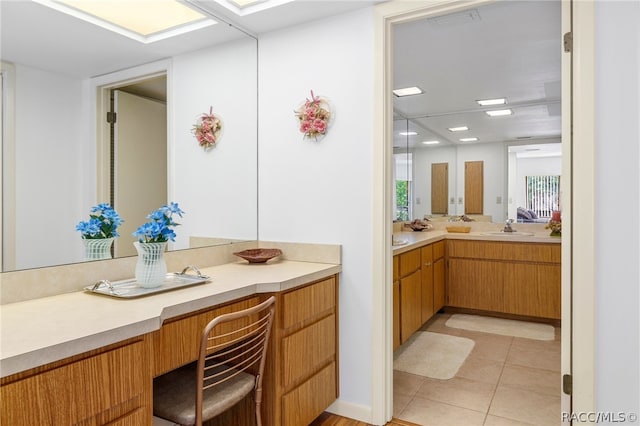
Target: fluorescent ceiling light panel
407,91
489,102
458,129
468,139
408,133
430,142
499,112
144,21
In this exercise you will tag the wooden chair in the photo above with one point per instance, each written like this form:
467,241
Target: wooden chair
230,365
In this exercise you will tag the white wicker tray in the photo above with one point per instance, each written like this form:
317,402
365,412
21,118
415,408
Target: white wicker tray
128,289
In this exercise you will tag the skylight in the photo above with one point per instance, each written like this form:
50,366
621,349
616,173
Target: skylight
143,21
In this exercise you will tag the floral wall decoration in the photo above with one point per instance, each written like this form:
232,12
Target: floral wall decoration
314,117
208,129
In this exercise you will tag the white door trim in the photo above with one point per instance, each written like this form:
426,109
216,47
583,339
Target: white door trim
578,247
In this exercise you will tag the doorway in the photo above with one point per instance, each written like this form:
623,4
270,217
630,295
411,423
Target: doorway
134,178
393,14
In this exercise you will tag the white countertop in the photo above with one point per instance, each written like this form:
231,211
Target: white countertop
419,239
40,331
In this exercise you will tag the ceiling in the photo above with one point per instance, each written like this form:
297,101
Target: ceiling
38,36
506,49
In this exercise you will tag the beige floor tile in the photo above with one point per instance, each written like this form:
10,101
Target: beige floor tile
543,359
431,413
437,325
406,383
458,391
526,406
400,402
501,421
481,369
531,379
536,345
488,346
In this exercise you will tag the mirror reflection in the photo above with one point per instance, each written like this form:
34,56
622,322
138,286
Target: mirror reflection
480,124
56,142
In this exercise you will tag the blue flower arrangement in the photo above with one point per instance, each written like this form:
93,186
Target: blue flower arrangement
158,230
103,223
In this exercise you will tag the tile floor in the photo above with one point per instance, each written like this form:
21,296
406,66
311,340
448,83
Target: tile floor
505,381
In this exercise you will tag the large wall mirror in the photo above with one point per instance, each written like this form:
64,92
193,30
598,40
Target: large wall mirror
58,72
455,61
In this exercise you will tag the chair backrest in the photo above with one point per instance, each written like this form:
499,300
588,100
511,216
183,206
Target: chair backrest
233,343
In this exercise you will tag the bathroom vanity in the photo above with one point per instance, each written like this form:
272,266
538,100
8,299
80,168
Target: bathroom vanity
482,271
86,359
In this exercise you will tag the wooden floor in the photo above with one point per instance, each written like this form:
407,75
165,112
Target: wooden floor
327,419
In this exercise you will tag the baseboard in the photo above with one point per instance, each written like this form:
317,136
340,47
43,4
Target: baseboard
353,411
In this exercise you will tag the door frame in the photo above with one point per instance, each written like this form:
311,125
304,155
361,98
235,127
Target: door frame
578,248
100,94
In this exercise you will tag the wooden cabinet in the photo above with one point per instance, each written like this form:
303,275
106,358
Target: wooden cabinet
301,374
513,278
438,276
111,386
410,305
418,289
426,254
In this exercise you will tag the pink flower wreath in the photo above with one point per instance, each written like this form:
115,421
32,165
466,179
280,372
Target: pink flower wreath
208,129
314,117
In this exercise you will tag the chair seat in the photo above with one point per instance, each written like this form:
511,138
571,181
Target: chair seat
174,395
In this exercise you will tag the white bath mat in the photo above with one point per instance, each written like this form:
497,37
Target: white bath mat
504,327
434,355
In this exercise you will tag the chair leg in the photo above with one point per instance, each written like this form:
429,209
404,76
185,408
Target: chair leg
258,399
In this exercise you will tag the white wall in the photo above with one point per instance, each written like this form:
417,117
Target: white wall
495,175
223,77
50,130
423,158
321,191
617,191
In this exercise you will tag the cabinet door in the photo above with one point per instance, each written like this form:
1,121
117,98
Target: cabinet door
410,305
427,283
476,284
396,314
532,289
438,284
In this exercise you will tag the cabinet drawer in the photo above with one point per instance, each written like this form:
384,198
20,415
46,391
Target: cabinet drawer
305,350
307,401
426,254
178,341
307,302
409,262
438,250
75,392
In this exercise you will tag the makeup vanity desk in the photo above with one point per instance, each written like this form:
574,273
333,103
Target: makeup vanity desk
87,359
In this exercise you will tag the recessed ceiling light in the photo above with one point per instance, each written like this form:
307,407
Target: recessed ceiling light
488,102
430,142
141,21
468,139
408,133
407,91
458,129
499,112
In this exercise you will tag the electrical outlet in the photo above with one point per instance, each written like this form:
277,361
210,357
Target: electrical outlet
418,200
498,200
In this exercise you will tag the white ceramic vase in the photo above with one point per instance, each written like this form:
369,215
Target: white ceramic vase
98,248
151,268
